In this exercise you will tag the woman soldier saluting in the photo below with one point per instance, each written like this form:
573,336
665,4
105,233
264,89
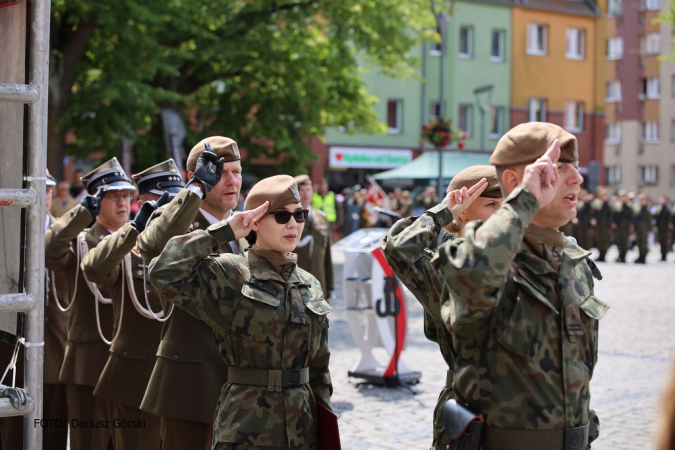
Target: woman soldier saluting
268,314
473,194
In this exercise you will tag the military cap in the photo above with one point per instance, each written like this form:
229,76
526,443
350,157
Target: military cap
472,175
622,192
109,176
526,142
224,147
279,190
160,178
303,180
51,181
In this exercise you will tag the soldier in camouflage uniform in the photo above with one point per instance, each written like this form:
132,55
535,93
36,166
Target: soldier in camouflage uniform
643,226
602,222
269,318
522,313
663,226
623,220
411,244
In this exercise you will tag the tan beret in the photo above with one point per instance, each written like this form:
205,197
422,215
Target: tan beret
472,175
279,190
224,147
528,141
303,180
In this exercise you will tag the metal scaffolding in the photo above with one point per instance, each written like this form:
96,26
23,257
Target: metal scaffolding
32,198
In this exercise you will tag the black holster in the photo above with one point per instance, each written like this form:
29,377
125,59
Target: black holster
463,427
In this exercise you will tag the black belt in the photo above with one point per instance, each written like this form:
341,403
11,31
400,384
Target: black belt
509,439
275,380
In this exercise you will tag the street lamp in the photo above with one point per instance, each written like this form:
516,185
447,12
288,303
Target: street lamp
483,108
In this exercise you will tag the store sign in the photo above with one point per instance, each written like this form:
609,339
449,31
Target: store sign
367,158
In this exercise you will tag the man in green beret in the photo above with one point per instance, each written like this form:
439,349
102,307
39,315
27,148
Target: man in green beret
522,314
103,211
189,371
313,250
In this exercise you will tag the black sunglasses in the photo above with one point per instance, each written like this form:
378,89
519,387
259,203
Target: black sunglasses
283,216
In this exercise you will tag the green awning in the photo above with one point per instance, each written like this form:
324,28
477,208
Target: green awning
426,166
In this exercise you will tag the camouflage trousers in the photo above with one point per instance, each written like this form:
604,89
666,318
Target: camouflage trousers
441,440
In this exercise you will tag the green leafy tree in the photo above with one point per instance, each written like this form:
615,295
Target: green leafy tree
267,73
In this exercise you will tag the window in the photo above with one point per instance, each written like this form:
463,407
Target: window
650,132
574,116
672,86
613,175
614,8
394,116
465,42
613,91
496,122
576,41
537,110
612,133
434,111
497,46
652,44
672,176
650,88
649,175
651,5
465,118
672,130
537,39
614,48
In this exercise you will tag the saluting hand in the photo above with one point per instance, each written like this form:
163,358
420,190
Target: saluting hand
459,200
242,223
541,176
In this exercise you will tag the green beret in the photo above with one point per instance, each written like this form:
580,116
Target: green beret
279,190
303,180
526,142
224,147
472,175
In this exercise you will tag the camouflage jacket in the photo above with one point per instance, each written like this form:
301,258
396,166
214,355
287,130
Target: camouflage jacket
409,248
526,337
261,321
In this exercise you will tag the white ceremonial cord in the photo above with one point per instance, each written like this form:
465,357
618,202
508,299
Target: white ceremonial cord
12,365
83,250
145,312
98,316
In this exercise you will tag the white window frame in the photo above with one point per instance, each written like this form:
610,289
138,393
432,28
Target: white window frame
613,91
614,8
537,104
650,132
469,43
497,114
576,44
652,44
672,130
501,36
650,5
613,175
614,48
465,112
434,110
653,88
574,116
398,129
534,47
612,133
649,175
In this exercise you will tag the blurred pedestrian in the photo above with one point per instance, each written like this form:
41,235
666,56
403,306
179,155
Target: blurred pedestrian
323,199
427,198
62,201
602,221
643,226
77,190
623,220
351,211
664,226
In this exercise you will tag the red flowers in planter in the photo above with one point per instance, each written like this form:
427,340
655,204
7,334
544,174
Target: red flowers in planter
440,133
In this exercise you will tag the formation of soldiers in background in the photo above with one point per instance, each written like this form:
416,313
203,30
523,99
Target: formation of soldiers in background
625,220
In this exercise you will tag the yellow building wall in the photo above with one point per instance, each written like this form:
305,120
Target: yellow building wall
554,77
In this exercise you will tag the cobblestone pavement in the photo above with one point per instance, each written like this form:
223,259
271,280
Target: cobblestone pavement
636,349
